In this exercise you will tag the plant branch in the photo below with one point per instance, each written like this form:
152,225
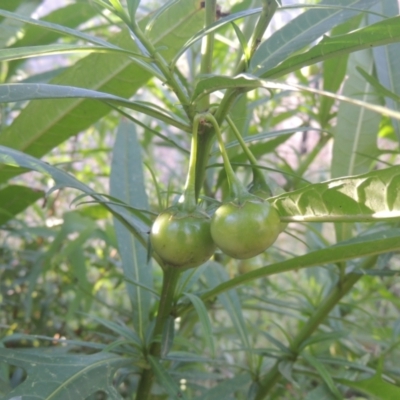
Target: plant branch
268,11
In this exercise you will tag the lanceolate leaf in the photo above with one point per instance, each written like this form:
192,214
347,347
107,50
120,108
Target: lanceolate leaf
231,303
45,124
127,184
14,199
375,386
302,31
387,60
64,376
56,28
45,50
71,16
379,34
362,246
165,380
38,91
218,24
355,143
368,197
15,158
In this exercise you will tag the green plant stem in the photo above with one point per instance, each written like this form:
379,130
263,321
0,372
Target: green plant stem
322,311
188,198
205,141
207,49
268,11
170,280
236,187
258,177
171,80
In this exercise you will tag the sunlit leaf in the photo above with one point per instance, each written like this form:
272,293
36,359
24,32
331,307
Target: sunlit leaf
368,197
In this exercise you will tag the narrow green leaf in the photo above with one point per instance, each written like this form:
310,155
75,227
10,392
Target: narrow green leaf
302,31
10,28
119,329
227,388
15,158
379,88
243,43
231,303
14,199
359,103
72,376
378,34
356,129
57,28
46,124
362,246
127,184
204,320
70,16
369,197
14,92
132,7
387,59
165,380
20,53
334,72
375,386
323,373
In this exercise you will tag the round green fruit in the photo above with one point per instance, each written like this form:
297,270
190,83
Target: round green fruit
247,229
182,239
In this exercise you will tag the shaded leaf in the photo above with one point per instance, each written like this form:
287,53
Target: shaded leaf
127,184
323,373
14,199
165,380
52,376
387,60
231,302
204,320
15,158
357,128
375,386
226,389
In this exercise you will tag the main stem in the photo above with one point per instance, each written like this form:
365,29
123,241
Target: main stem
336,294
170,279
